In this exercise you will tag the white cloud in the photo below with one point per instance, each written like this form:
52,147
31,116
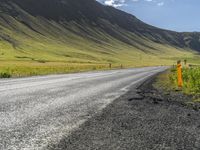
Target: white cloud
115,3
119,3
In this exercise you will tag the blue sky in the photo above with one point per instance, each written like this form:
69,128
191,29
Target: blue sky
177,15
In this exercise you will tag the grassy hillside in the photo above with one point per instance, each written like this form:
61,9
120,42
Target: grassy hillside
59,36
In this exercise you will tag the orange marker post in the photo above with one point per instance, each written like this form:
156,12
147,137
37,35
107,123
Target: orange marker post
180,77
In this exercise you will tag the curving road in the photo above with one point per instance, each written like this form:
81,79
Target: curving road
36,111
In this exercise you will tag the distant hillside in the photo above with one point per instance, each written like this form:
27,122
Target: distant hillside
83,31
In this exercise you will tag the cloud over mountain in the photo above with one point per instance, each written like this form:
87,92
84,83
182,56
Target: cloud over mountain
119,3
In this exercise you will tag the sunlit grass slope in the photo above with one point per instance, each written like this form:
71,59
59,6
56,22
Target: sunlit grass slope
35,45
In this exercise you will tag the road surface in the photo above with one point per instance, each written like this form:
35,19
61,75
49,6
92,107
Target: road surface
36,111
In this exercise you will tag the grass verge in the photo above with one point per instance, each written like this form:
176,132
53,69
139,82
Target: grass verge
191,82
25,68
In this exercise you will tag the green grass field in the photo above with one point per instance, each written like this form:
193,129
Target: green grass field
47,60
22,68
57,49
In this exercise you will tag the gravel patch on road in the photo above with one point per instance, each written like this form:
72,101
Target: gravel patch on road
144,118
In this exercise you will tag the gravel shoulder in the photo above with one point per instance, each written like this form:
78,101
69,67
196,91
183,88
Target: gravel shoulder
143,118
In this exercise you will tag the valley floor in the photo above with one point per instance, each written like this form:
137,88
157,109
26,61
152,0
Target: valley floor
31,68
24,68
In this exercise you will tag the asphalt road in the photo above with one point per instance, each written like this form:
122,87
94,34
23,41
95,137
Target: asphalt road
37,111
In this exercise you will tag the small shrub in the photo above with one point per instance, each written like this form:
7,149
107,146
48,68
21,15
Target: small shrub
5,75
41,61
94,68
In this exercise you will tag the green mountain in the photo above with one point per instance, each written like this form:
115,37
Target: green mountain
84,31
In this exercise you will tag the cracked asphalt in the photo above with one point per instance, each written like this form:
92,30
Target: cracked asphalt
39,112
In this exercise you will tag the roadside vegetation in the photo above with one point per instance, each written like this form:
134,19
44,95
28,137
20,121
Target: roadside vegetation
191,82
191,79
20,68
23,69
5,75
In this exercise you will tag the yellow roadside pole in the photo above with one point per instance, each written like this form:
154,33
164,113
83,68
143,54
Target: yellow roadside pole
180,77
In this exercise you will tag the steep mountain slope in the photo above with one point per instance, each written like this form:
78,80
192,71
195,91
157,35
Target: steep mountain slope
84,31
